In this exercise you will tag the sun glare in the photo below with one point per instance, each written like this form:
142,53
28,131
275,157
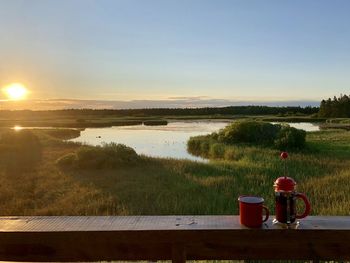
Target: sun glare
18,128
16,91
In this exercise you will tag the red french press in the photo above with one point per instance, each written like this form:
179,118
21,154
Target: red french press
286,196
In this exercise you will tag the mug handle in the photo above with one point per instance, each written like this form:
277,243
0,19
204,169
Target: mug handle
267,213
307,206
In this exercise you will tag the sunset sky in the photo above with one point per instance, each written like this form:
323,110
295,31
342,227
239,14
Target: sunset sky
126,50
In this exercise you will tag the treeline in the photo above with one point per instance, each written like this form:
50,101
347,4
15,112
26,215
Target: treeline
231,110
336,107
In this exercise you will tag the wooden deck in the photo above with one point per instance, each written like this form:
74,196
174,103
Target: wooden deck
169,237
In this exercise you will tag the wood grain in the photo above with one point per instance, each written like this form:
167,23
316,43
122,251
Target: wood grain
169,237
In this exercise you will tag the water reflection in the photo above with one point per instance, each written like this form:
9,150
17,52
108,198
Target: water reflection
307,126
161,141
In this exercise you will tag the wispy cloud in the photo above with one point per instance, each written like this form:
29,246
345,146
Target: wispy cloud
196,98
173,102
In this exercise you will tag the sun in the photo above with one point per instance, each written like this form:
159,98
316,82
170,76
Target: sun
16,91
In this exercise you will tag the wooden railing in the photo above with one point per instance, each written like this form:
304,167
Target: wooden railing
169,237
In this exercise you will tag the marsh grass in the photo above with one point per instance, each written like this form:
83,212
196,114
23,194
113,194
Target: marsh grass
61,134
155,186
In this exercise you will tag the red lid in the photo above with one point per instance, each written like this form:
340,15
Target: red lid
285,184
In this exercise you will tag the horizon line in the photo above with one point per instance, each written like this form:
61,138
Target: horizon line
184,102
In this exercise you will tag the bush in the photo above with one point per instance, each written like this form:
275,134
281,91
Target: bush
249,132
217,150
205,147
199,145
230,154
225,143
108,156
20,150
194,145
89,157
290,138
119,154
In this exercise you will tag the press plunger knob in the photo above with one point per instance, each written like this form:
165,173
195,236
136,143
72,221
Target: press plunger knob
285,183
284,155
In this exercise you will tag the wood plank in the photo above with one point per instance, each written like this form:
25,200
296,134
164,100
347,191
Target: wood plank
159,237
129,223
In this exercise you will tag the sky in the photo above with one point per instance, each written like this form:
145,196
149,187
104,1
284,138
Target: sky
165,50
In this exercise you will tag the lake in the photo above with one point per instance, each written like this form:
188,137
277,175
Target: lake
159,141
169,141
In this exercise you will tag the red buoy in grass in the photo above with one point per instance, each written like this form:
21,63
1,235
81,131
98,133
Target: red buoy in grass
284,155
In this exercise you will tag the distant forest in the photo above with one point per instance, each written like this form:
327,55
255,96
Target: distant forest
336,107
232,110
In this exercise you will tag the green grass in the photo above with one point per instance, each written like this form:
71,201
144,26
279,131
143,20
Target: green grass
156,186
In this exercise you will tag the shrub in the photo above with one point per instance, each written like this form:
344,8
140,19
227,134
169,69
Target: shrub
249,132
230,154
108,156
214,136
205,147
119,153
217,150
199,145
225,143
194,145
89,157
290,138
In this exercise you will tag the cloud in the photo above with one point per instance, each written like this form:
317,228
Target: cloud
173,102
196,98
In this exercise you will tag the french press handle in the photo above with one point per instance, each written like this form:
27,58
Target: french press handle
307,205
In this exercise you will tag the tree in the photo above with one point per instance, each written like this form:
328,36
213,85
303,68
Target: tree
338,107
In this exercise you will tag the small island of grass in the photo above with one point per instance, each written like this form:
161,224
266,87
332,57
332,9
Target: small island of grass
224,144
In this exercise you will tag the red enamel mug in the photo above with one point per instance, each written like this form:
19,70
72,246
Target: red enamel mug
251,211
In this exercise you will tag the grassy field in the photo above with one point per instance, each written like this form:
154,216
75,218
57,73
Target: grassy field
156,186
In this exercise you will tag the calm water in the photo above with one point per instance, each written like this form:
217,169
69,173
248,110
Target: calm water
161,141
307,126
